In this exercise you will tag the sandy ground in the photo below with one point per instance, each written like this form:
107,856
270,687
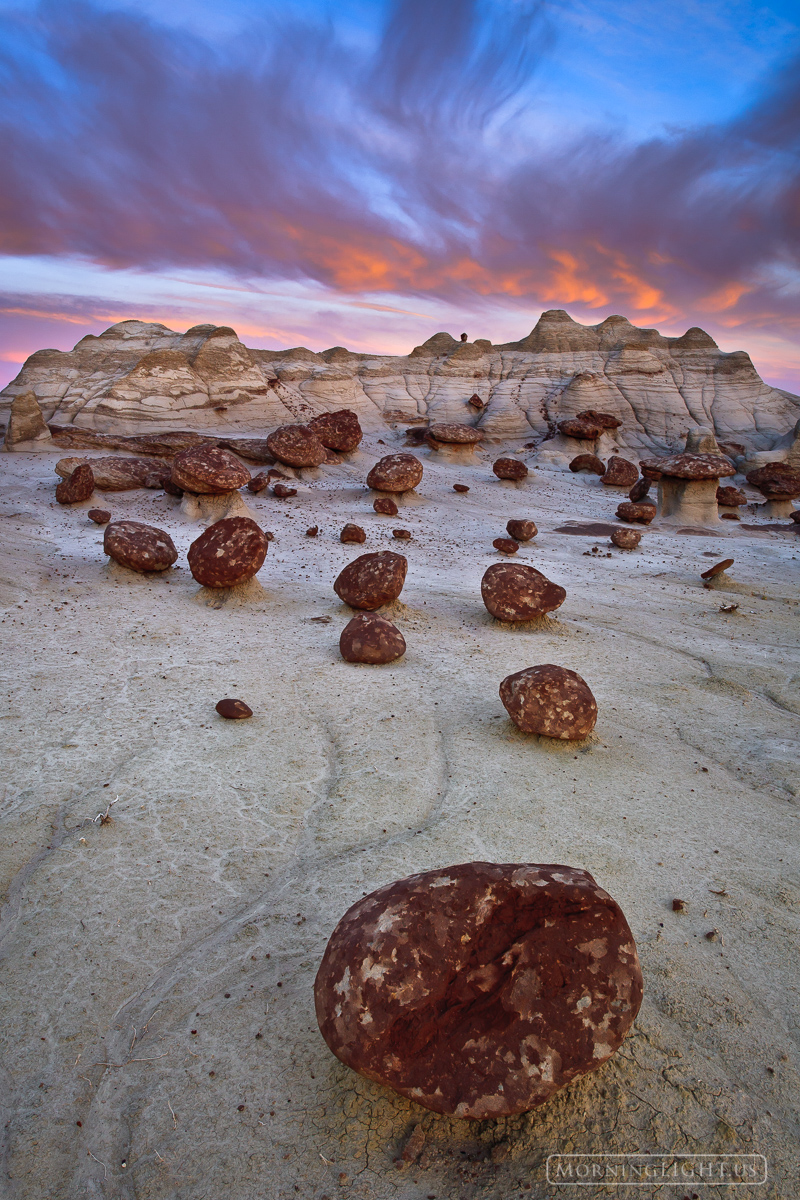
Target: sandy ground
157,1010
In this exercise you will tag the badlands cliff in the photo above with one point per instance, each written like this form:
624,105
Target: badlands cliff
138,376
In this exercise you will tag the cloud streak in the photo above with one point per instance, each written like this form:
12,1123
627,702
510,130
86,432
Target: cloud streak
401,165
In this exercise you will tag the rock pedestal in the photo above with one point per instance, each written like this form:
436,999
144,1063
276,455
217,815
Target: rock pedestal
26,429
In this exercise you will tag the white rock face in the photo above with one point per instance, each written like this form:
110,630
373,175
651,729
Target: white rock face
138,377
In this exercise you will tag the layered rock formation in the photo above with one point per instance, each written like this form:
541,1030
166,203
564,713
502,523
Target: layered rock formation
138,376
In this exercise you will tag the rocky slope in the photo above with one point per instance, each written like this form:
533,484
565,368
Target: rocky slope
137,376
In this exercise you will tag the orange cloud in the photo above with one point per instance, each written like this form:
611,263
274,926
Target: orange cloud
727,296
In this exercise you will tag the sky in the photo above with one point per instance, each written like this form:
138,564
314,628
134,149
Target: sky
368,172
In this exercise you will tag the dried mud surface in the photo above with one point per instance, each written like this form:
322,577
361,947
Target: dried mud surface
157,1009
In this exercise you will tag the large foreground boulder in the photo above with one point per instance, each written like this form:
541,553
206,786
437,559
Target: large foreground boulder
372,580
208,471
551,701
371,639
513,591
395,473
228,553
482,989
139,547
340,430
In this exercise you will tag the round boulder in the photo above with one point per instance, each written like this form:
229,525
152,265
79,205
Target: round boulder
371,639
517,592
603,419
297,446
506,545
208,471
626,539
403,534
372,580
385,506
352,533
521,531
549,700
731,497
510,468
100,516
640,489
620,472
641,513
482,989
77,488
229,552
395,473
776,481
575,427
138,546
454,434
340,430
588,462
234,710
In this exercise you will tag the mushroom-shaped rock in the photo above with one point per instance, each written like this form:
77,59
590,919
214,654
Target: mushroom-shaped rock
340,430
208,471
138,546
297,446
619,472
395,473
717,569
779,483
77,488
510,468
687,489
603,419
521,531
228,553
549,700
640,490
454,434
352,533
517,592
506,545
233,710
626,539
482,989
641,513
651,468
731,497
117,474
588,462
369,638
575,427
372,580
385,506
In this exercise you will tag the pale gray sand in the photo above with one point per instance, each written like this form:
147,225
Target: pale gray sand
142,964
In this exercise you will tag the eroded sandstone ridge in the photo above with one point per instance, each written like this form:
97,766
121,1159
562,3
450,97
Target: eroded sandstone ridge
139,377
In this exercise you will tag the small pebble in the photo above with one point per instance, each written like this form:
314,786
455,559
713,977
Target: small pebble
313,531
506,545
401,533
460,487
100,516
352,533
283,492
234,710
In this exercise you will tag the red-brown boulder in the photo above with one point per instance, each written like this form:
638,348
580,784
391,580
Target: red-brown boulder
234,710
385,506
402,534
282,492
717,569
619,472
340,430
795,516
510,468
651,468
694,466
460,487
731,497
640,489
229,552
259,482
455,434
476,402
574,427
100,516
371,639
641,513
297,446
372,580
626,539
482,989
549,700
521,531
352,533
77,488
113,474
312,531
208,471
395,473
506,545
603,419
776,481
517,592
588,462
138,546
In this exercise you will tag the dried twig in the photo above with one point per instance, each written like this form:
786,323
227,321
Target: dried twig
102,1164
174,1118
105,818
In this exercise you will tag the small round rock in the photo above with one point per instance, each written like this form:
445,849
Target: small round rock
352,533
641,513
626,539
588,462
521,531
234,710
371,639
283,492
77,487
620,472
640,489
312,531
510,468
372,580
139,547
551,701
385,506
402,534
506,545
460,487
100,516
395,473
